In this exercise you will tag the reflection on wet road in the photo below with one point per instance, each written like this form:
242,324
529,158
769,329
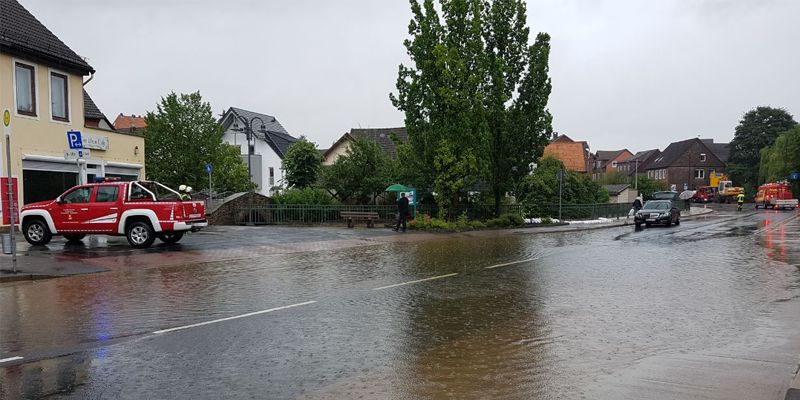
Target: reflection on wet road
598,314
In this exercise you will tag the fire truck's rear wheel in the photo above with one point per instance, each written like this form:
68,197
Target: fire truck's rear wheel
140,234
171,237
36,232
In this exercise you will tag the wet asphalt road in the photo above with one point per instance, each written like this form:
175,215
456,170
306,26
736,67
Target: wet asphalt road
704,310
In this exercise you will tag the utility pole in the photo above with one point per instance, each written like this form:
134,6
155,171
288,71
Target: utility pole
560,190
11,206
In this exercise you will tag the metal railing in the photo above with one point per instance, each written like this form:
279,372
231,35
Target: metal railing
302,214
584,211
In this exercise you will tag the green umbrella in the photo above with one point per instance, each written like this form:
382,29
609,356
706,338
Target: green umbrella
397,188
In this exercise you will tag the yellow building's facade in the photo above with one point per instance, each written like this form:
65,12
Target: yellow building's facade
44,92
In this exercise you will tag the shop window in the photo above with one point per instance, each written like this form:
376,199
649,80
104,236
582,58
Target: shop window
24,77
59,97
46,185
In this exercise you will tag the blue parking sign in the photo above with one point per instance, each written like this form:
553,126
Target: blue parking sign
74,140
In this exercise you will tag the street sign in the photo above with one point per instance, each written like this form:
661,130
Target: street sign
794,176
209,168
74,140
7,122
77,154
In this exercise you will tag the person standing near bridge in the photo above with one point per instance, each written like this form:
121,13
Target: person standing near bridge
402,212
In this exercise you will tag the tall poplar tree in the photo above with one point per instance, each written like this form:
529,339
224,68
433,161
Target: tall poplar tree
474,98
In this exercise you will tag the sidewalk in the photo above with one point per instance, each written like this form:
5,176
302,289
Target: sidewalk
794,388
589,225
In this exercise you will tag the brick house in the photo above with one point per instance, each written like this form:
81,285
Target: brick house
688,164
639,162
574,154
606,161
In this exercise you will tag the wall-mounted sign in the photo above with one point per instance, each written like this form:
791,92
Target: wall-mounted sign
95,142
76,154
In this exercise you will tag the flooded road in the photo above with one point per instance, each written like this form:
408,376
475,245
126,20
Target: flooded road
704,310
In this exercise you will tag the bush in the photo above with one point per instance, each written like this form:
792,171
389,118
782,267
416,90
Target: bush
311,196
547,221
505,221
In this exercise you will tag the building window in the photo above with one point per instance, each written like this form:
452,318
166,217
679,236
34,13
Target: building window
702,157
614,164
271,176
699,174
59,97
24,77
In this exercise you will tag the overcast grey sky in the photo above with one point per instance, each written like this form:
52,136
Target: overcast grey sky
626,73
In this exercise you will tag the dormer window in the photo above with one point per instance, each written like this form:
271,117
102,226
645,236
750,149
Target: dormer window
702,157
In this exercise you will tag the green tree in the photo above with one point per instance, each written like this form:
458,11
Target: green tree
475,98
539,189
302,164
614,178
648,186
182,135
517,91
758,129
360,174
779,160
442,97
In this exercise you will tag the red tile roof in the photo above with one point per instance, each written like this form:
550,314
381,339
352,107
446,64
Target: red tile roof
126,122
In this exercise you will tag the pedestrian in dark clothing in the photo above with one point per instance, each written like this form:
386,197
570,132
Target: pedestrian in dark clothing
402,212
637,204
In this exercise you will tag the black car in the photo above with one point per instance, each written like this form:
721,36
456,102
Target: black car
666,195
657,212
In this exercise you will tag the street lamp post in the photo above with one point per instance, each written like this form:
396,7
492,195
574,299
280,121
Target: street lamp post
248,131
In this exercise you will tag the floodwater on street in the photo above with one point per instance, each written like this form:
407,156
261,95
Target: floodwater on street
608,313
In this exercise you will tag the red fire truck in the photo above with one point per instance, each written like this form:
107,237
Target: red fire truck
775,195
140,210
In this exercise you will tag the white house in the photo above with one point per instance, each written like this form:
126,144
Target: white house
267,147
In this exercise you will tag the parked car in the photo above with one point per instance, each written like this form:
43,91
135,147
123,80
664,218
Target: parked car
141,211
666,195
704,194
661,212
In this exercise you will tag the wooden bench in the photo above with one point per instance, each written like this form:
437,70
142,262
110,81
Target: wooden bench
350,216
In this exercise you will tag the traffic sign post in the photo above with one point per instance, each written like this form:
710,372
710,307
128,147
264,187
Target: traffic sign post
11,206
209,170
77,153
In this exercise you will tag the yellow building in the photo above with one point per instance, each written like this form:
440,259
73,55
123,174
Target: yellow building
42,85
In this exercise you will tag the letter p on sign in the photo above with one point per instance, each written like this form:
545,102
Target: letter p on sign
74,140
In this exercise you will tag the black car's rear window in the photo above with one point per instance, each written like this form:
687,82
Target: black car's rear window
656,205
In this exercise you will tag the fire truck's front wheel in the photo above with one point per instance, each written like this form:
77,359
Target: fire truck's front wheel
36,232
140,234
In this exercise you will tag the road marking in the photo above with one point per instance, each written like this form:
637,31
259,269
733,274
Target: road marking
10,359
416,281
232,318
509,263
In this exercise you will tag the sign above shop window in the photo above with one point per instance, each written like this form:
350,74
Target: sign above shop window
95,142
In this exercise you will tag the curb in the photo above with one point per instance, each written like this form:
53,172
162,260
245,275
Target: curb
7,276
794,388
